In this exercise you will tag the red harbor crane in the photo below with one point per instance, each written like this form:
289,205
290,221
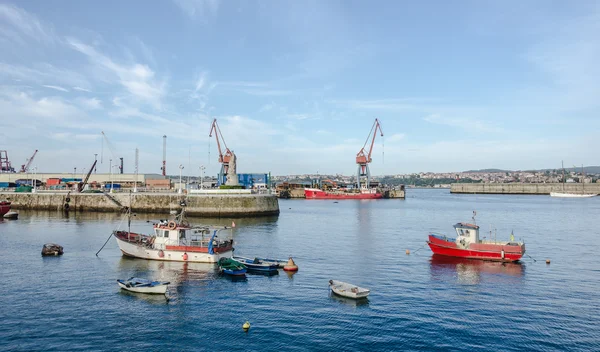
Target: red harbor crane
363,158
25,167
224,156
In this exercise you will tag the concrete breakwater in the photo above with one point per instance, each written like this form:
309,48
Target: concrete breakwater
213,205
523,188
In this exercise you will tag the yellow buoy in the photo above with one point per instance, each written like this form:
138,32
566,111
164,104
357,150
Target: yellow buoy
408,251
547,261
290,266
246,326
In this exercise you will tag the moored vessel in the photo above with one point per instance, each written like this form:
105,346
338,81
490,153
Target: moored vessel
177,240
4,207
348,290
468,244
138,285
364,193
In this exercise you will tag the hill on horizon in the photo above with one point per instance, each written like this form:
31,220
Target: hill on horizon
587,170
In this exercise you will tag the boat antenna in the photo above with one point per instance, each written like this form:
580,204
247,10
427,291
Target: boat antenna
473,217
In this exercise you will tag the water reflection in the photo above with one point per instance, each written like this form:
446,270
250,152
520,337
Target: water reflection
471,271
153,299
175,272
349,301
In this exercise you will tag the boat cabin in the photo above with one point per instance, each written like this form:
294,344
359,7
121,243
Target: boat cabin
466,234
176,236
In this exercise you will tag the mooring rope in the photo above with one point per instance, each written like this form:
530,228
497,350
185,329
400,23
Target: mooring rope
108,239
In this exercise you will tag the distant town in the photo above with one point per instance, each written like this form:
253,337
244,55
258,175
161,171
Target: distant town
442,180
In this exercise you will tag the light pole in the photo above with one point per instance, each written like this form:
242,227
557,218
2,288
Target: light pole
180,171
110,172
33,183
202,177
112,183
74,173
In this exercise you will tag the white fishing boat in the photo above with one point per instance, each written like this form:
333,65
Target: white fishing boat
348,290
177,240
564,194
571,195
138,285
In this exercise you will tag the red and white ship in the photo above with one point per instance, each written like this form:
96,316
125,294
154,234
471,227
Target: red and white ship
365,193
4,208
177,240
467,244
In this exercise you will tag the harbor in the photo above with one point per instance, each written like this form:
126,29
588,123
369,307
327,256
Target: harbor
365,247
524,188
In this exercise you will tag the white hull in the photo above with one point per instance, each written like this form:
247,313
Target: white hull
348,290
571,195
159,289
137,251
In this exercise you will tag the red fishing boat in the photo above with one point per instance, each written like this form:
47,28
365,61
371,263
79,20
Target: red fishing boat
4,207
315,193
467,244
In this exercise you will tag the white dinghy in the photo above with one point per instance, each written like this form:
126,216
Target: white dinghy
135,284
348,290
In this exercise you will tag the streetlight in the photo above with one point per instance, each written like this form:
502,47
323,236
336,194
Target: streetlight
33,179
74,172
202,176
112,183
180,170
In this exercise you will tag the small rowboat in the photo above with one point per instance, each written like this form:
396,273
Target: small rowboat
135,284
280,263
348,290
257,265
232,267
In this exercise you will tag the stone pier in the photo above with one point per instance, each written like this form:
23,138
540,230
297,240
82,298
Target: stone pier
202,205
524,188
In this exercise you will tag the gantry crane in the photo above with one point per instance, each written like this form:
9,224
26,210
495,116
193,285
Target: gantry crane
25,167
224,158
363,158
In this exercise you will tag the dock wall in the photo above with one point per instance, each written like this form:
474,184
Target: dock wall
522,188
225,205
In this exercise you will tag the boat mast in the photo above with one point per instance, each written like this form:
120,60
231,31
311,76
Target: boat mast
583,180
563,167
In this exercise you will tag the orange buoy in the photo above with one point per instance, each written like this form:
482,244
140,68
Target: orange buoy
161,254
407,251
185,256
547,261
290,266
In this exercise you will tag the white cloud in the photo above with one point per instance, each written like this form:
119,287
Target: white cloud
44,74
469,124
138,79
18,26
397,137
90,104
82,89
198,9
55,88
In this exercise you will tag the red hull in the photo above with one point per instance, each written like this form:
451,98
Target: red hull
4,208
493,252
320,194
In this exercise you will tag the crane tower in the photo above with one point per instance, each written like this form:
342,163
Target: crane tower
363,158
224,156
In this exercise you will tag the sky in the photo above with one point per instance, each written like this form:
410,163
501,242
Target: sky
296,85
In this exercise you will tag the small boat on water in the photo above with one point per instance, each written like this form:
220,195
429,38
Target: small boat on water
231,267
13,215
571,195
258,265
280,263
138,285
468,244
345,289
4,207
177,240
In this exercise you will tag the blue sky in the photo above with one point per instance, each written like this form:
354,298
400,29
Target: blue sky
296,85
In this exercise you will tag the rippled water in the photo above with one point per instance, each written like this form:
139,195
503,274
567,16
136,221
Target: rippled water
417,302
